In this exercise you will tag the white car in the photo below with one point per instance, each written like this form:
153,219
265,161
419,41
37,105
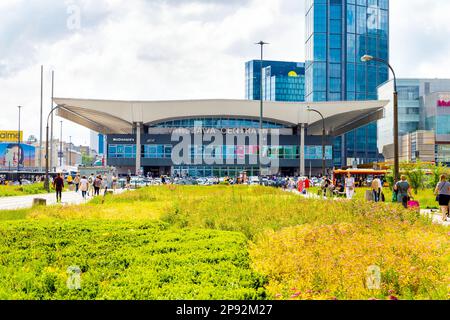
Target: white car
253,181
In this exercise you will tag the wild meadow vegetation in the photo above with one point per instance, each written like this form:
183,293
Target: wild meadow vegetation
222,242
11,191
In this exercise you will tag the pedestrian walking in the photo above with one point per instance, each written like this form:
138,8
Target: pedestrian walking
128,186
376,189
91,185
84,186
443,196
350,186
58,184
114,183
307,185
300,186
76,182
97,185
403,191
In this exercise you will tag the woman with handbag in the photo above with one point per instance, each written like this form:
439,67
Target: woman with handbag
443,196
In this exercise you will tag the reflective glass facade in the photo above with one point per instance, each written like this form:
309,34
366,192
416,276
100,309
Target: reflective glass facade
279,70
284,87
338,34
419,110
217,123
122,151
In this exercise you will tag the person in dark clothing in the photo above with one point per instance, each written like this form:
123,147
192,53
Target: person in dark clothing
97,185
58,184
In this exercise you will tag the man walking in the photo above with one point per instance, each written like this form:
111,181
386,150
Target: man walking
58,184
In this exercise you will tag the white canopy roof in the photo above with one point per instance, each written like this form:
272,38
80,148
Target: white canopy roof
117,117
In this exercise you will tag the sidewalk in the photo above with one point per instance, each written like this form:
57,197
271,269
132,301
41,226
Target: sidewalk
436,215
23,202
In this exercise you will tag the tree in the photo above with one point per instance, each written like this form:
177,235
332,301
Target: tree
437,171
87,160
416,175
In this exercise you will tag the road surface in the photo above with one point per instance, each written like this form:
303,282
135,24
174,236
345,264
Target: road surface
23,202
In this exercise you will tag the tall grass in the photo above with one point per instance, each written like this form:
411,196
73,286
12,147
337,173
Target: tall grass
10,191
321,248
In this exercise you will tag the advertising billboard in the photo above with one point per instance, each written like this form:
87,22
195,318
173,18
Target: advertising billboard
10,136
12,154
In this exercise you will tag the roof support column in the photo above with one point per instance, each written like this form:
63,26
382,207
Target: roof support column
301,132
138,147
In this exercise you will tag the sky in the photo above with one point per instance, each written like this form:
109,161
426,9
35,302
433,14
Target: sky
174,49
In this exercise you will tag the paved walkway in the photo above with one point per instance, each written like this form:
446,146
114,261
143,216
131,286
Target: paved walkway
23,202
436,215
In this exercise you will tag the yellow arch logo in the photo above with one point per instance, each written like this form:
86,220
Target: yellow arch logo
292,74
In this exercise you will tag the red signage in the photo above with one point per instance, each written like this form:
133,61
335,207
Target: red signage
443,103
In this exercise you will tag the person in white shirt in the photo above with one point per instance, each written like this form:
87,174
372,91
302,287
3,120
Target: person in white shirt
84,186
377,189
350,186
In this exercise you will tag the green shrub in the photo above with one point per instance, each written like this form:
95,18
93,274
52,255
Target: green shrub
124,260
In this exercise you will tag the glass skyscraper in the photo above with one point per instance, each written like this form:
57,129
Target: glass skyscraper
288,86
278,86
338,34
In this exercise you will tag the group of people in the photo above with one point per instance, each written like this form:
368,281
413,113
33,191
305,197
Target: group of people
347,188
88,186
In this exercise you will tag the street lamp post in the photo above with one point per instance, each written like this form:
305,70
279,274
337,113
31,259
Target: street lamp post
70,151
261,109
367,58
323,140
18,146
60,155
47,182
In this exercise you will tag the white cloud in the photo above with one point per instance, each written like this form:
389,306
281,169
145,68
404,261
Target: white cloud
172,49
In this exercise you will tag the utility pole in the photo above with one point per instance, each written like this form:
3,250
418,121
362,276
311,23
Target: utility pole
51,124
60,155
18,146
261,110
40,122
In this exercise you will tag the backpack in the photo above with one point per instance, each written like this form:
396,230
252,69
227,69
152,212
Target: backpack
90,180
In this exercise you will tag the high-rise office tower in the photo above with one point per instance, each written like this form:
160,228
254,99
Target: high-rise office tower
282,80
338,34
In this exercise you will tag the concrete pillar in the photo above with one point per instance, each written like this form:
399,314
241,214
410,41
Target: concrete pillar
138,147
301,131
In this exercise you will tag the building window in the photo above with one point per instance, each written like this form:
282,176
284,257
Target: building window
122,151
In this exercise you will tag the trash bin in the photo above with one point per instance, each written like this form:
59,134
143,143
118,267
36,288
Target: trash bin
39,202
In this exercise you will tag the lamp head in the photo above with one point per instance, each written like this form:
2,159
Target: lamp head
366,58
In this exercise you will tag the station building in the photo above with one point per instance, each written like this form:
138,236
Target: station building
140,134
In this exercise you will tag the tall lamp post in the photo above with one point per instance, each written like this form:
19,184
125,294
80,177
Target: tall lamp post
367,58
60,155
261,109
323,140
18,146
47,181
70,151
